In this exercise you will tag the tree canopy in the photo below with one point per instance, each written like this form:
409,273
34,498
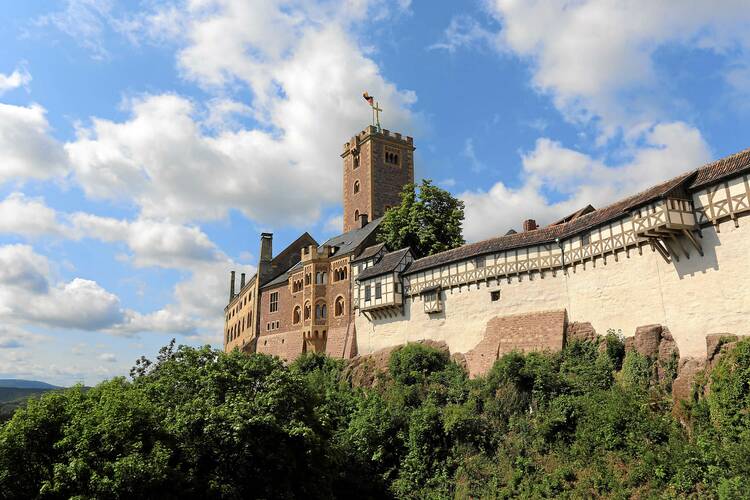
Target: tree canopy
200,423
428,220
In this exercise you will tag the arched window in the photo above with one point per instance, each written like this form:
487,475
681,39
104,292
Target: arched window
356,215
320,311
356,187
324,278
344,273
307,310
338,308
297,315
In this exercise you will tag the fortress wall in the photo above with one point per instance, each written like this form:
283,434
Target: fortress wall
693,297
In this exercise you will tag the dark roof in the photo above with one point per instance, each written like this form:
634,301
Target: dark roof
283,277
387,264
351,240
370,251
722,168
287,257
548,234
583,211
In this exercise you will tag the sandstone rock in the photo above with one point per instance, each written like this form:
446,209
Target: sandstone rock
647,339
580,331
460,359
366,370
668,353
714,342
683,384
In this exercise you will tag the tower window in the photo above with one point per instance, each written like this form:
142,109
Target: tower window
355,162
356,187
274,302
391,156
339,306
356,215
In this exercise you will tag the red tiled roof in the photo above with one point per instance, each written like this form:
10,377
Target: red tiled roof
722,168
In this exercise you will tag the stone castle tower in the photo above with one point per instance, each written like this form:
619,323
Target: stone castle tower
377,164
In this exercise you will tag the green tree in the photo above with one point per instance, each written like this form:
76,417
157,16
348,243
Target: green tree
428,220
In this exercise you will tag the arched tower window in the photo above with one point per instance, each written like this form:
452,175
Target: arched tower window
356,187
356,215
297,315
338,308
307,310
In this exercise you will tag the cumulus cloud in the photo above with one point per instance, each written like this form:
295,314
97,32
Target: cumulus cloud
188,161
556,180
20,214
26,148
596,58
19,78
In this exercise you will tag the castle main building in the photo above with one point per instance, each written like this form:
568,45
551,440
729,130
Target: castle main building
675,254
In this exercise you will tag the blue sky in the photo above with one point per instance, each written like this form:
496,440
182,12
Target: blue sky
144,145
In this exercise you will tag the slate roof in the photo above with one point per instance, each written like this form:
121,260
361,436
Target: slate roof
350,240
369,252
722,168
387,264
283,277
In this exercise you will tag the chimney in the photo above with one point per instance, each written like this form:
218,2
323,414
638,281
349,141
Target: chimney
266,247
363,220
231,286
529,225
242,281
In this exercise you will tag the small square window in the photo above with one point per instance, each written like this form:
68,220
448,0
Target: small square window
585,239
495,295
480,261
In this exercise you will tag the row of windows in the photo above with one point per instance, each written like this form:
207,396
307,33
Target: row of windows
239,327
321,310
242,303
340,274
378,291
273,325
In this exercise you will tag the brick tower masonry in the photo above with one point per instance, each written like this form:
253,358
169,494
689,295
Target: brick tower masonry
377,164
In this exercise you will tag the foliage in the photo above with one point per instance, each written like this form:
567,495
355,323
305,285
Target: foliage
202,423
428,220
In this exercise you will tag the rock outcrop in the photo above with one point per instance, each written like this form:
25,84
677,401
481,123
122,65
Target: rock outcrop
367,370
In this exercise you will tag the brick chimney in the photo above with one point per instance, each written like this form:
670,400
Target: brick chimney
266,247
242,281
529,225
231,285
363,220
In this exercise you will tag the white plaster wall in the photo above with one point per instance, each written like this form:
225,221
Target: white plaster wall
693,297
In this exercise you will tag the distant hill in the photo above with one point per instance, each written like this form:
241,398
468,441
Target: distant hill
25,384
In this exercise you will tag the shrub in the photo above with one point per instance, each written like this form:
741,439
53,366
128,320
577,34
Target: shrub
729,399
636,371
412,363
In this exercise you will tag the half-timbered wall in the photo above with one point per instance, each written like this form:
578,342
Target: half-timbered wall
613,278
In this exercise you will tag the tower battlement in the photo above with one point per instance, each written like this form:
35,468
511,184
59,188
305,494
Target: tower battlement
354,143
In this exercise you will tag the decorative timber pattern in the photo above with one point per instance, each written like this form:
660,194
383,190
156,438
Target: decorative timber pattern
727,199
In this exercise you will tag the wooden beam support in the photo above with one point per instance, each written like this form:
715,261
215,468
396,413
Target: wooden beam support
689,235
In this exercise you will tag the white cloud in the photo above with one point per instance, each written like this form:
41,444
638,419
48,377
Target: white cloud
26,148
575,179
596,58
19,78
469,153
108,357
465,32
26,216
306,71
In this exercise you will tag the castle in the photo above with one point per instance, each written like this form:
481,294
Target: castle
675,254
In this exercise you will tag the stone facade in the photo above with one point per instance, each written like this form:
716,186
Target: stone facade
674,256
377,165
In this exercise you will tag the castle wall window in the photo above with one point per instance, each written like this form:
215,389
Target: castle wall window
355,163
392,156
297,316
378,290
274,302
308,278
356,215
356,187
307,310
367,293
585,239
320,311
338,308
480,261
495,295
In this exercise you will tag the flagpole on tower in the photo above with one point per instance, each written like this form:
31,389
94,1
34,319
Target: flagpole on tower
375,109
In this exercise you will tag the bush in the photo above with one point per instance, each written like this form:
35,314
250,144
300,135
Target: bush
636,371
411,364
